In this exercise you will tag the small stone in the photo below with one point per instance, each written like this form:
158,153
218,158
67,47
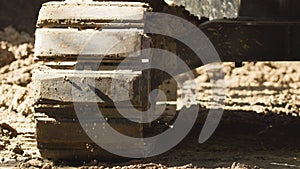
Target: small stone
18,149
35,163
2,146
47,166
11,132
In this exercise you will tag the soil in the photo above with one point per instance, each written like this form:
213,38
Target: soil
259,128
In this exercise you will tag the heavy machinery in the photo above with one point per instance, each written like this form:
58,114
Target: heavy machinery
94,38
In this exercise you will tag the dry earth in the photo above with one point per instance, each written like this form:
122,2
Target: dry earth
259,128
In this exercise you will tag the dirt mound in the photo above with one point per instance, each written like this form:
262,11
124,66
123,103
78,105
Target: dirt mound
15,71
16,110
263,87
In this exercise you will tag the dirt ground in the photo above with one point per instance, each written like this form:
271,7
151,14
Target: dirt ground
259,128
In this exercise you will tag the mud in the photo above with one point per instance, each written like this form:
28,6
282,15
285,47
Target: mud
259,128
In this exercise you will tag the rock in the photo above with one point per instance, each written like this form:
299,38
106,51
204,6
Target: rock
47,166
22,79
23,51
23,165
11,132
2,146
35,163
18,149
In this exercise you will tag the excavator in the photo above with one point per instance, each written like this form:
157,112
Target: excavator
98,87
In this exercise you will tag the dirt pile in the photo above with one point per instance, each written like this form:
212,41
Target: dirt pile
15,71
16,110
263,87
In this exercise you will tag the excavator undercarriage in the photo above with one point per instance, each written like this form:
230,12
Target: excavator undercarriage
89,53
